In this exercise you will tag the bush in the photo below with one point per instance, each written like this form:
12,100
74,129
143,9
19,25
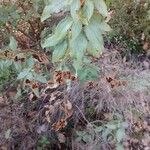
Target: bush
131,24
69,42
7,74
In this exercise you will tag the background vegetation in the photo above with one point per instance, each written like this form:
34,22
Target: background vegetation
60,88
132,25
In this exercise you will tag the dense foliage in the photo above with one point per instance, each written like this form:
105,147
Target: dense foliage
131,24
76,37
79,34
50,56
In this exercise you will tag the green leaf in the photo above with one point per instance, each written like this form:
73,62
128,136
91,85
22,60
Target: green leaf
120,134
75,6
77,65
76,29
59,51
30,62
54,6
119,147
100,5
104,27
98,129
111,126
94,35
23,74
36,92
80,133
13,43
106,133
40,78
88,72
94,51
59,34
88,9
87,138
83,18
18,66
8,63
124,124
78,46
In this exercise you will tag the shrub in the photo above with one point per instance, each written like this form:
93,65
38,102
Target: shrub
7,74
131,24
76,37
30,37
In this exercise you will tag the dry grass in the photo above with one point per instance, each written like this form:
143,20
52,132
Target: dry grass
120,98
99,101
90,103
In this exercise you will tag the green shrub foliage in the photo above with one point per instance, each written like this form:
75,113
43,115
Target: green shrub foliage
79,34
76,38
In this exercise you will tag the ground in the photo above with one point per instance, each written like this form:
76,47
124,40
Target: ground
122,88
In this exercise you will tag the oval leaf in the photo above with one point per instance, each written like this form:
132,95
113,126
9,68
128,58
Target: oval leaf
54,6
76,29
94,35
75,6
78,46
59,51
100,5
88,9
59,34
13,43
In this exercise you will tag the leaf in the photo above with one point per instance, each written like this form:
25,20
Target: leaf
104,27
119,147
13,43
30,62
40,78
100,5
88,72
76,29
80,133
36,92
59,51
92,50
98,129
111,126
94,35
18,66
54,6
8,63
23,74
59,34
78,46
75,6
120,134
87,138
77,65
124,124
88,9
106,133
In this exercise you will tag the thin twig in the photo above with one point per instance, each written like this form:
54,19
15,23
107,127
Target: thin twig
82,114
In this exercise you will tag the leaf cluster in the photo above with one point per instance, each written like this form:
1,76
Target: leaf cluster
78,35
